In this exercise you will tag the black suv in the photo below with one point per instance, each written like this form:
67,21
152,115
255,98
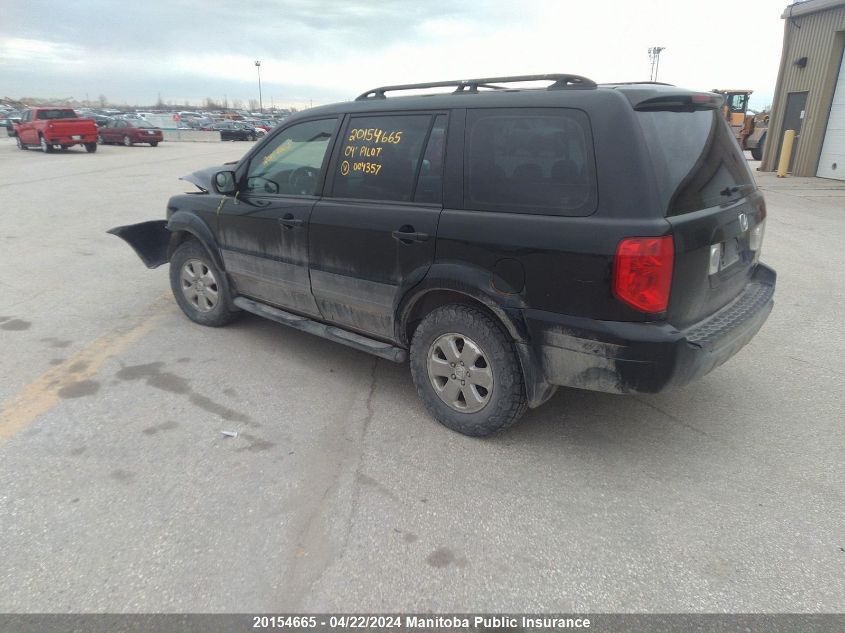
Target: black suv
508,240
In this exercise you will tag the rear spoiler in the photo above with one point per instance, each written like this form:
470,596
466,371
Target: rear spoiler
681,102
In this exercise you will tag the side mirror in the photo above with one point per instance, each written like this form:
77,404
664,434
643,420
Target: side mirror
224,182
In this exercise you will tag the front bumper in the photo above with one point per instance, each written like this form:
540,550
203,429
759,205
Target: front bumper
619,357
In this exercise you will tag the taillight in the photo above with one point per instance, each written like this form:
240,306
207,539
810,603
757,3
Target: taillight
642,272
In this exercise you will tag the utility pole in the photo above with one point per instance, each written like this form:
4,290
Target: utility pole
258,68
654,57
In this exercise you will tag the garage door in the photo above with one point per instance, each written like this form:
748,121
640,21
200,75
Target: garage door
832,159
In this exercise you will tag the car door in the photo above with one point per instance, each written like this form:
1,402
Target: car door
263,234
373,236
109,132
26,129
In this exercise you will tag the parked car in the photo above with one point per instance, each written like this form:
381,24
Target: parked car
129,132
51,127
598,237
235,131
100,119
8,121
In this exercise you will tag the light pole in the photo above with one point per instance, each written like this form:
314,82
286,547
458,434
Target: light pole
260,102
654,56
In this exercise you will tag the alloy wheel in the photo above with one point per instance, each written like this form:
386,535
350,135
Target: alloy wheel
199,285
460,373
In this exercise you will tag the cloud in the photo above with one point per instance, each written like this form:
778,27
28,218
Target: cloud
330,50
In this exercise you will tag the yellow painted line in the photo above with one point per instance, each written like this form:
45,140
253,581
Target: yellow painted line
42,394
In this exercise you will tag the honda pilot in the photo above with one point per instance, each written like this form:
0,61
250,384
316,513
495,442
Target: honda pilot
506,235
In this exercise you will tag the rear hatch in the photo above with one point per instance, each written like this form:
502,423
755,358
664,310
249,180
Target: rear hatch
710,199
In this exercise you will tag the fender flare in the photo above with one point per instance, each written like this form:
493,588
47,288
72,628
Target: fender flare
474,283
186,222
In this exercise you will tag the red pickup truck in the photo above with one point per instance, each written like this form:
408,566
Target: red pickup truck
49,127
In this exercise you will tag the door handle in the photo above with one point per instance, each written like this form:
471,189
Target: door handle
288,221
406,235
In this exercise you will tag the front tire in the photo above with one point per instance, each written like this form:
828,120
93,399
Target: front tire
199,286
466,371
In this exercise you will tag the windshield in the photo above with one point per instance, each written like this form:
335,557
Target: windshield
696,159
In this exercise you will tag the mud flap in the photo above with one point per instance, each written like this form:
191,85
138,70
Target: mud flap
148,239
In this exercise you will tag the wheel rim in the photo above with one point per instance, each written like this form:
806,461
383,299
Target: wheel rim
127,141
199,286
44,145
460,373
100,139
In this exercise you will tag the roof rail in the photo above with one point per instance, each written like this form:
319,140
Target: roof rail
636,83
560,81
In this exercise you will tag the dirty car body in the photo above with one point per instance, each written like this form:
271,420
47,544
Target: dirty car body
606,237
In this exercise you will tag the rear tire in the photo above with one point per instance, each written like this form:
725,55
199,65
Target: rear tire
757,152
199,287
45,146
91,147
466,371
154,144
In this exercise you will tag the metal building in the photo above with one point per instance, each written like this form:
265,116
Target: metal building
810,91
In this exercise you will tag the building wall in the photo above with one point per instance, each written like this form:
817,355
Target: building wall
820,37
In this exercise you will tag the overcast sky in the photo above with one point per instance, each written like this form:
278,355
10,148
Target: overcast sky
331,50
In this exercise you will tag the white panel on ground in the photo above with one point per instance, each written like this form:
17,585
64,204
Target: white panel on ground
832,159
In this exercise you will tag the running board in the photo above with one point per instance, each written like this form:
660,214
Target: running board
357,341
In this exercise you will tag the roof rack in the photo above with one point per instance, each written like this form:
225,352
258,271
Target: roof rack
560,81
636,83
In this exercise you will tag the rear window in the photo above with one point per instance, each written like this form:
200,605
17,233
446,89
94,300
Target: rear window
530,160
56,114
696,159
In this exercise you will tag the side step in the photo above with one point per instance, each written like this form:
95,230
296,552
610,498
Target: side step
359,342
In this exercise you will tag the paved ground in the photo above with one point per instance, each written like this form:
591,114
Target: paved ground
118,492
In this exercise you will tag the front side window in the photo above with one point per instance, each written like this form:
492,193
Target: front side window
532,160
380,157
290,164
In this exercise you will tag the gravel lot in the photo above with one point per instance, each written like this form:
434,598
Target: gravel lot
118,492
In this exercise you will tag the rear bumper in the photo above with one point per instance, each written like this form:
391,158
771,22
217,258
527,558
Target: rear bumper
69,140
620,357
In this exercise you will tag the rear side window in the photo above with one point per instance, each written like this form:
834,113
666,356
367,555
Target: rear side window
380,157
530,160
696,160
430,181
